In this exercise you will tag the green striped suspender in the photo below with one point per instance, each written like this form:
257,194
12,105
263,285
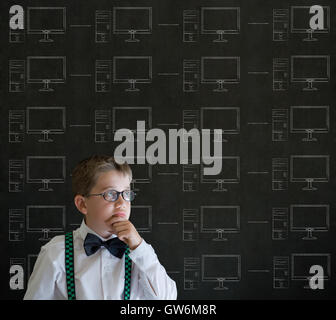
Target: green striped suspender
70,266
70,275
128,266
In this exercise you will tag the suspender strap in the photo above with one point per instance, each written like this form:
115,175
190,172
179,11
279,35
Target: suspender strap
69,266
128,266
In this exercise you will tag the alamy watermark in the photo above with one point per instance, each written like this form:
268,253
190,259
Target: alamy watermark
157,151
317,280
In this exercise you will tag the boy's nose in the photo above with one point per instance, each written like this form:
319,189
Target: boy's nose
120,201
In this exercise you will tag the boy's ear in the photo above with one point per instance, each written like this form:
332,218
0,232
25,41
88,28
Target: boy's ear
80,204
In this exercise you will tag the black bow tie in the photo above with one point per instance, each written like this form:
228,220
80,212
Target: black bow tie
92,243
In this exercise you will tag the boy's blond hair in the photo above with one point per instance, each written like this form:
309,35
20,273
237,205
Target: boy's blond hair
86,172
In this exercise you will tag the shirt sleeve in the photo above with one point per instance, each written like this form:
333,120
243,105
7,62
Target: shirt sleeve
156,283
42,282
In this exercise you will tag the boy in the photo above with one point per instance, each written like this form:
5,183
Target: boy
102,194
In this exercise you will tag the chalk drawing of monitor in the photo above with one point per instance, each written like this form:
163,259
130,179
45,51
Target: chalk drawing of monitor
310,169
309,120
309,218
45,121
220,71
221,268
230,172
127,117
141,170
300,21
45,219
302,262
220,21
310,69
46,70
225,118
141,217
142,173
132,70
132,21
45,170
220,220
46,21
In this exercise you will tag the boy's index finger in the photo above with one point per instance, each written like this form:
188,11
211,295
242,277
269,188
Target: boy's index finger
115,218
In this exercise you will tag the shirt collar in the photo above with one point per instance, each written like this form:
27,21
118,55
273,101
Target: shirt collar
84,230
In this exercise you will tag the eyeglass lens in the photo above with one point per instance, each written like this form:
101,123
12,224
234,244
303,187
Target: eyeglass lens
112,195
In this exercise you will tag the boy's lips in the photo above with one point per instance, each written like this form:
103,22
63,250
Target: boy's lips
121,214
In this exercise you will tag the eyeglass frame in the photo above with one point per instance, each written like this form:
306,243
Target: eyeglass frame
118,194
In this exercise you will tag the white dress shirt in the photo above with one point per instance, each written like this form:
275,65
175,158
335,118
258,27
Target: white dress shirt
100,276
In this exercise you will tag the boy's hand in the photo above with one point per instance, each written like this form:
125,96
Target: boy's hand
125,231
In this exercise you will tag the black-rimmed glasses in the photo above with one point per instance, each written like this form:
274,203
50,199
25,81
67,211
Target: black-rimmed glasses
113,195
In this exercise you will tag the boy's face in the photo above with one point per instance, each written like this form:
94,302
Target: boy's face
98,210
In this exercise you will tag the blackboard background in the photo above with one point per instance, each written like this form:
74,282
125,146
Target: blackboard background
254,145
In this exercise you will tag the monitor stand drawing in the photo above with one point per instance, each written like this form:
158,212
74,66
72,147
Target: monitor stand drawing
309,235
45,137
219,235
46,87
46,36
220,36
132,38
310,86
309,35
309,136
220,87
45,235
132,88
220,187
221,284
309,186
45,186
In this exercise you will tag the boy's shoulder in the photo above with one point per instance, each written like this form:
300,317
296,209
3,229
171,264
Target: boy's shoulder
57,243
54,249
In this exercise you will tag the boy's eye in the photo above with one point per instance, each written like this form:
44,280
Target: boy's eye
111,193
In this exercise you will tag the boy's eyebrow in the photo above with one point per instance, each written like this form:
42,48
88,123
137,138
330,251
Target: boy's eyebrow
112,187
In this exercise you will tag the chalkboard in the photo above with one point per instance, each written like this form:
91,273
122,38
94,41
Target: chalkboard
262,71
